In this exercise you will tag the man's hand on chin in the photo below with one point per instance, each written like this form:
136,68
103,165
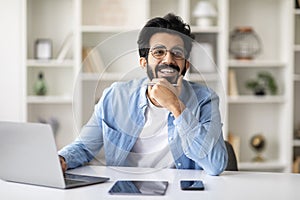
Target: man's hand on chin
164,94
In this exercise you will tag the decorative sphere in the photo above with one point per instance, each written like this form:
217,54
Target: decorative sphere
258,142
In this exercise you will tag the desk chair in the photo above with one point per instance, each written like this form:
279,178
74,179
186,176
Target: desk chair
232,162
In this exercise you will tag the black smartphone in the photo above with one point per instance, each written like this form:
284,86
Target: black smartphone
192,185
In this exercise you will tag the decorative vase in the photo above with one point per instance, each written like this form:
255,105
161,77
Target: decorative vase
204,13
244,43
260,92
40,87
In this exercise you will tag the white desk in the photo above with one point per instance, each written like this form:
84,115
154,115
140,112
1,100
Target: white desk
229,185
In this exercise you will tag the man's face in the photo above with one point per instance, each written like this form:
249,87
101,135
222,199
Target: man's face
166,58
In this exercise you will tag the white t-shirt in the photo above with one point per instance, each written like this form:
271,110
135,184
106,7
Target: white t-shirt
151,148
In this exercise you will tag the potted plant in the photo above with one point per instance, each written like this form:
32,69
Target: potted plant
262,84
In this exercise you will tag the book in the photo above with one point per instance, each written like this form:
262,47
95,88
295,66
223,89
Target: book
91,60
296,165
65,48
96,61
235,141
86,65
232,83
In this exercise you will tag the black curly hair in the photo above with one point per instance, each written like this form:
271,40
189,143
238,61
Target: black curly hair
170,23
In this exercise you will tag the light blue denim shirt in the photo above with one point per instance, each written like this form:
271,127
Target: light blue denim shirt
195,137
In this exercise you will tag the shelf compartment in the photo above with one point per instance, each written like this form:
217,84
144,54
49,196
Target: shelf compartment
297,47
157,8
63,113
49,99
297,62
245,74
297,28
42,23
296,77
274,14
296,108
248,119
113,13
94,38
255,99
113,59
192,4
59,80
92,90
296,142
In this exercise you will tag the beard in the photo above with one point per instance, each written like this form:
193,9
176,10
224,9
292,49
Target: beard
169,72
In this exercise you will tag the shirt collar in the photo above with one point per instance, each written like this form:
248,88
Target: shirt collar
143,102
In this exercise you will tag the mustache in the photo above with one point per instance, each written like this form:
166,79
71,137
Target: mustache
164,66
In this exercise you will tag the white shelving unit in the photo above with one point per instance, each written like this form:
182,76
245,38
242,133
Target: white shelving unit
268,115
73,90
41,23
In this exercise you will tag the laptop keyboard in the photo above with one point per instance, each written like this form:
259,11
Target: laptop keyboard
73,181
77,180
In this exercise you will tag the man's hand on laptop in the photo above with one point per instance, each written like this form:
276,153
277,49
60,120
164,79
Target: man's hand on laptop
63,163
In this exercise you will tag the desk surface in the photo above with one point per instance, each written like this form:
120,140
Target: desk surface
229,185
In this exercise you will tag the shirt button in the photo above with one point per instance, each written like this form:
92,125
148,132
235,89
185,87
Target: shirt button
170,138
179,164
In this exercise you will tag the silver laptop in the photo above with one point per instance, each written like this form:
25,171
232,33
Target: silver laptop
28,154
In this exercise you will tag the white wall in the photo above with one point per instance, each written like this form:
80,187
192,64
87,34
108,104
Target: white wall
11,73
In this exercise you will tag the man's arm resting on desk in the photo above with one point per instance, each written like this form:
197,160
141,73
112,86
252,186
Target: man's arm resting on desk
85,147
76,154
201,136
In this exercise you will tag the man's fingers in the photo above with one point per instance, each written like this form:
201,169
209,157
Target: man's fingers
63,163
179,81
179,85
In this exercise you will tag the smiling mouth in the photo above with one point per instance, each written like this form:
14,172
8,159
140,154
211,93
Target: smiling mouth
167,71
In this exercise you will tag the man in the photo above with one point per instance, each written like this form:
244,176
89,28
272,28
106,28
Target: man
162,121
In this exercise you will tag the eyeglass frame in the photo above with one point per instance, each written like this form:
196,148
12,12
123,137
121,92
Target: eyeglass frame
184,53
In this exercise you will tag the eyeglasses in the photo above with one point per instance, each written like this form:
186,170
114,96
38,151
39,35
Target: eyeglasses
159,52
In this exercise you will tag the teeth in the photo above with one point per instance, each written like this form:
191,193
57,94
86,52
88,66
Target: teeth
167,70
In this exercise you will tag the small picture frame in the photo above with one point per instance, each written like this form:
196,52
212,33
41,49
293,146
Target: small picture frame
43,49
